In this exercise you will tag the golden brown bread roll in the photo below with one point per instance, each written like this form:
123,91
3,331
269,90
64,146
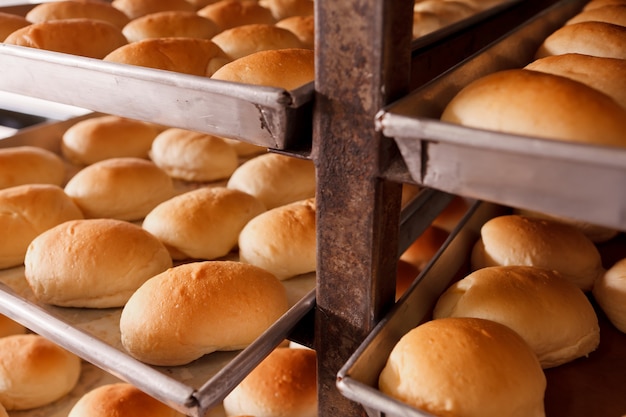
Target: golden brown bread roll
244,149
120,188
282,240
193,156
265,393
28,210
203,223
137,8
301,26
197,308
120,400
9,327
551,314
501,375
22,165
615,14
537,104
275,179
170,23
230,13
244,40
528,241
282,9
103,137
79,36
587,38
431,15
192,56
9,23
94,263
610,293
70,9
35,372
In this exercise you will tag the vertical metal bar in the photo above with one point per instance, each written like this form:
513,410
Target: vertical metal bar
362,63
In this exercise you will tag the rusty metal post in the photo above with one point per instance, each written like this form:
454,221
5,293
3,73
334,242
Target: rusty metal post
362,63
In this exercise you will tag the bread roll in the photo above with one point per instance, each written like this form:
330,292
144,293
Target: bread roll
588,38
615,14
35,372
280,68
282,9
465,367
431,15
275,179
203,223
79,36
198,308
193,156
171,23
244,149
264,393
94,263
9,23
120,400
120,188
137,8
230,13
244,40
527,241
282,240
98,138
22,165
536,104
301,26
551,314
185,55
607,75
71,9
610,293
26,211
10,327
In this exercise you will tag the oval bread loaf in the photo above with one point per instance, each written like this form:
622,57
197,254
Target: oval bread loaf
230,13
610,293
71,9
9,23
244,40
588,38
21,165
170,23
137,8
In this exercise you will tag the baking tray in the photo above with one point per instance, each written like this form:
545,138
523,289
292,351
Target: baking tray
584,387
93,334
575,180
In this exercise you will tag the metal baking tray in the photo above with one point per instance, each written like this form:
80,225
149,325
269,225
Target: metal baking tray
575,180
93,334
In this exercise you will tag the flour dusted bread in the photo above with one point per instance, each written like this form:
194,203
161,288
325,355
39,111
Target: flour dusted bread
275,179
120,188
501,374
9,326
94,263
208,306
230,13
588,38
537,104
244,40
551,314
610,293
137,8
103,137
71,9
35,372
10,22
120,400
203,223
282,240
170,23
85,37
264,393
28,210
21,165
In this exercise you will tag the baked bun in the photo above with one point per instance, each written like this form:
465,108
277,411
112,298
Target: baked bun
282,9
9,23
203,223
28,210
301,26
615,14
35,372
607,75
587,38
137,8
120,400
282,240
21,165
537,104
10,327
528,241
245,149
193,156
551,314
610,293
120,188
103,137
94,263
501,376
275,179
71,9
230,13
191,56
244,40
79,36
208,306
280,68
171,23
264,393
431,15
